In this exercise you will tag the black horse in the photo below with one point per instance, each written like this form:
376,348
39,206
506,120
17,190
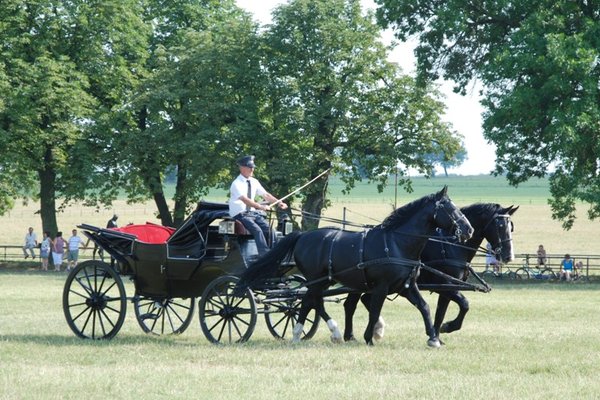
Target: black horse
491,222
382,260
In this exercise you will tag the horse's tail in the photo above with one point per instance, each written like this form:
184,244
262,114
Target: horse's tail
268,265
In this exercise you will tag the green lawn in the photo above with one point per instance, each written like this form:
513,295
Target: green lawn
518,342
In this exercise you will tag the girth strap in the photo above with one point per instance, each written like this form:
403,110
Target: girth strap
403,262
330,263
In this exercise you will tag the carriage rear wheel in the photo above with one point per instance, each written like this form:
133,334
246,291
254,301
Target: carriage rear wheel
282,316
94,301
166,316
225,315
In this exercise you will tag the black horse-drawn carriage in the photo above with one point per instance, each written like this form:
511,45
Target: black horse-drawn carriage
205,258
170,269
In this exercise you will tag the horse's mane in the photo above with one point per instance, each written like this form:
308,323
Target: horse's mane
402,214
480,213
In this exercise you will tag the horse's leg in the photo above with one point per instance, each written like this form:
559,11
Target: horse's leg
349,308
463,309
379,328
313,298
414,296
378,296
440,313
308,303
336,335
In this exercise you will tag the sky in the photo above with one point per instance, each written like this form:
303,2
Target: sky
463,112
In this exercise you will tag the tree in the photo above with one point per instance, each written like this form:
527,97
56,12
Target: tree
337,102
54,55
439,158
538,62
201,93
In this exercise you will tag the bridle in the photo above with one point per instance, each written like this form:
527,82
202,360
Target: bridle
497,219
454,216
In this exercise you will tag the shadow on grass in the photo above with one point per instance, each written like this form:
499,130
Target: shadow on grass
55,340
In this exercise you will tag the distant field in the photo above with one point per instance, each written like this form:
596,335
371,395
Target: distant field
533,222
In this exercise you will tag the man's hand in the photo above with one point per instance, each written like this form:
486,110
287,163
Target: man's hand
280,204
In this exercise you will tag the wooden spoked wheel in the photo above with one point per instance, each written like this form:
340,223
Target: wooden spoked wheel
94,301
167,316
281,316
226,314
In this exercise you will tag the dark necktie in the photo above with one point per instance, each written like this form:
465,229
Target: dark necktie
249,195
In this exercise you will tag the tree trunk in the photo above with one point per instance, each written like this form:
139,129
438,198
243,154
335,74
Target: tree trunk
314,203
47,177
154,183
317,192
163,208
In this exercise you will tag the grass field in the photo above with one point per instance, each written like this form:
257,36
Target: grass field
518,342
533,222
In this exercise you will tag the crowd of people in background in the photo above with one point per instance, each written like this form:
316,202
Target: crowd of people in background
57,249
569,269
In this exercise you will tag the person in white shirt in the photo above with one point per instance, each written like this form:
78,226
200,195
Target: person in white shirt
73,250
490,259
30,243
245,209
45,250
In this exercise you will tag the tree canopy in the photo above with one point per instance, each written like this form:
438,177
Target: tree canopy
334,91
107,97
539,65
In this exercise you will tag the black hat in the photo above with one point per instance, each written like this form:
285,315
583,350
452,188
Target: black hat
246,161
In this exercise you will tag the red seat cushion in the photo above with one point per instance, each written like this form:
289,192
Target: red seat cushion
149,232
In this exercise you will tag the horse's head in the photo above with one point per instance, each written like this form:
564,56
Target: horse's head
498,232
448,216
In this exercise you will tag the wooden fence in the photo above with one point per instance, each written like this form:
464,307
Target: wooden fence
591,263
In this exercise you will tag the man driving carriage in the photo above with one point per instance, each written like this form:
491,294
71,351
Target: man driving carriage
244,208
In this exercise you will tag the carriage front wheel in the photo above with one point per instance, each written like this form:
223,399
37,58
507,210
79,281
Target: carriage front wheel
94,301
164,316
281,313
225,315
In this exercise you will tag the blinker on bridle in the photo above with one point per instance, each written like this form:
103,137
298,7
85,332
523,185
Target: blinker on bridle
440,204
496,220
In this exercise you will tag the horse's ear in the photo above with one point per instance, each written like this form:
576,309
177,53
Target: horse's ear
444,191
512,210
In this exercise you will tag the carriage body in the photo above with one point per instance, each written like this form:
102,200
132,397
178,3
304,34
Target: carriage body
169,268
164,262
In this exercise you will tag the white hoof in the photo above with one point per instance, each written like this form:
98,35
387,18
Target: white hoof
379,329
336,335
435,343
297,332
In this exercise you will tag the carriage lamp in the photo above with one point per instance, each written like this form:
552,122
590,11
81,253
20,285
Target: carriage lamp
227,227
285,225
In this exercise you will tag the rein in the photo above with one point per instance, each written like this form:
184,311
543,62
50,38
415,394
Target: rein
329,219
483,287
479,249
